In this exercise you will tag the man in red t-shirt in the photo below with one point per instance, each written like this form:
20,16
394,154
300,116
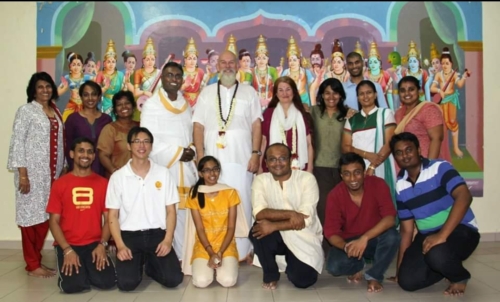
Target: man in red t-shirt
360,223
77,207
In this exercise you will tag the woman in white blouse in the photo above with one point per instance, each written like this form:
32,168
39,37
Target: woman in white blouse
36,155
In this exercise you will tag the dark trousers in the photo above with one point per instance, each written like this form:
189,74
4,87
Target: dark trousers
300,274
327,179
381,249
87,274
418,271
164,270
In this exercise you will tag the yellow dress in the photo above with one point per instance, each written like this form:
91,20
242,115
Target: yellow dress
215,218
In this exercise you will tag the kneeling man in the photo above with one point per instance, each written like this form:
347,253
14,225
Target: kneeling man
359,223
432,195
141,200
284,206
77,207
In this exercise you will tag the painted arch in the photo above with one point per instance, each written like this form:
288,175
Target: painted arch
396,7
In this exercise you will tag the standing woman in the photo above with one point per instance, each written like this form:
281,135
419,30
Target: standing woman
88,122
36,155
329,117
112,143
368,132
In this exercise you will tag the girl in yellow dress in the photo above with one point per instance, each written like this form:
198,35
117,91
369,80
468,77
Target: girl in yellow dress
214,210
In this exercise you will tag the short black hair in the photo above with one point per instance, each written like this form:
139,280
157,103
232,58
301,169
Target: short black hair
278,144
354,54
92,84
410,79
40,76
136,130
82,139
175,65
403,137
351,158
121,94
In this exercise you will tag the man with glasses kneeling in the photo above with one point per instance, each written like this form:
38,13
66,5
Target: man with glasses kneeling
141,199
284,207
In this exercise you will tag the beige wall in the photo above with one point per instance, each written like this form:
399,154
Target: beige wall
18,23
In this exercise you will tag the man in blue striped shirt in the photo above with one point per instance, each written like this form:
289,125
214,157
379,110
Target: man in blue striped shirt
432,195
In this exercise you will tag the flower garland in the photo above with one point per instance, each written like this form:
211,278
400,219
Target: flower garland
295,156
224,123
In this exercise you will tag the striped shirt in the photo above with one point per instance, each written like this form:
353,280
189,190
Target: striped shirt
429,200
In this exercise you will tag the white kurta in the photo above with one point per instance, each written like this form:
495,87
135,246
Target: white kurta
299,193
235,156
172,129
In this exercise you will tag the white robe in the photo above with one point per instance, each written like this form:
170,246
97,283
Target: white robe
235,156
172,129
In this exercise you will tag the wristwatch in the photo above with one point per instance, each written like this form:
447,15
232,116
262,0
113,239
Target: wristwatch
258,152
104,243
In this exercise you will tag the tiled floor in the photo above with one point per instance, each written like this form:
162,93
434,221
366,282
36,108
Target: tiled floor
484,266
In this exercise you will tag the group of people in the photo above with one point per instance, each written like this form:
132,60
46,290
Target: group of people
178,195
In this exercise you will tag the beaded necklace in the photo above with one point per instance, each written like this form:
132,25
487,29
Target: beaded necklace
224,123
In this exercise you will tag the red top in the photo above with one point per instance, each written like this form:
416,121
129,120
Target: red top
345,219
266,125
80,201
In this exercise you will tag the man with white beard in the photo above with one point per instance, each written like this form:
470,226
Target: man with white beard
227,125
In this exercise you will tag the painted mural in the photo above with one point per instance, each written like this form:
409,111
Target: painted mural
123,45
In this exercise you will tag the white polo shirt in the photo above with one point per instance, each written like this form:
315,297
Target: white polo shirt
142,202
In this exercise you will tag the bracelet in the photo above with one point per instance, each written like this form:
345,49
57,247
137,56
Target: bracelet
69,246
24,177
69,252
371,167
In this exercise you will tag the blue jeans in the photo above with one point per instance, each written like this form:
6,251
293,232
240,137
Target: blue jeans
381,249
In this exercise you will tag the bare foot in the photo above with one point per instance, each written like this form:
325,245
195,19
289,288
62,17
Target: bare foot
49,269
356,278
249,258
393,279
270,285
455,289
374,286
40,273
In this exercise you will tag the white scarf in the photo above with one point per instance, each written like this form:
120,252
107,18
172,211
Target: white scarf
278,121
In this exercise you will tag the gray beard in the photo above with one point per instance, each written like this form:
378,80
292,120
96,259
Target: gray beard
227,79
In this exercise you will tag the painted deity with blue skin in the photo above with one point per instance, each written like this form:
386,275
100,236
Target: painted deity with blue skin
377,75
414,68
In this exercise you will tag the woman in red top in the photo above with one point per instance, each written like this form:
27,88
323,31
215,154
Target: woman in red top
286,121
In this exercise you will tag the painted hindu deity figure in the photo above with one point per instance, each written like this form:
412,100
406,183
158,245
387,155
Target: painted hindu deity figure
263,75
396,72
130,61
193,75
72,81
110,79
376,74
445,84
147,80
302,76
414,68
317,60
244,75
91,66
212,74
433,70
358,49
337,69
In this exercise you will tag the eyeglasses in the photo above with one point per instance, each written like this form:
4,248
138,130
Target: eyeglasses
273,160
207,170
144,142
348,174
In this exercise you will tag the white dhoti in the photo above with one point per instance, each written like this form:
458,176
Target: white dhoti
237,176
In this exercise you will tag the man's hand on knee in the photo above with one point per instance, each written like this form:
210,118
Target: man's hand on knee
262,228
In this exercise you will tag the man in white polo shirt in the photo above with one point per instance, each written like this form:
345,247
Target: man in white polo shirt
141,199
